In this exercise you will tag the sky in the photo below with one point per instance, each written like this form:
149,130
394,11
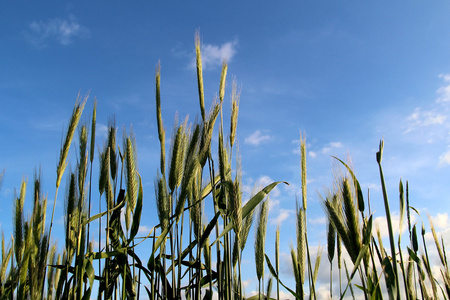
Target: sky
344,74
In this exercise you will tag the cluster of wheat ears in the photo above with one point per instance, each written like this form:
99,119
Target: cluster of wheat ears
190,257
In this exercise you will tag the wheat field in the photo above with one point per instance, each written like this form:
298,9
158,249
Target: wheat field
192,256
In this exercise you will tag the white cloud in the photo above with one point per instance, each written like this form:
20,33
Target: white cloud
330,147
317,221
425,118
441,221
63,31
444,91
257,138
213,55
312,154
264,181
371,186
444,158
101,131
434,116
282,216
145,230
336,144
322,292
381,223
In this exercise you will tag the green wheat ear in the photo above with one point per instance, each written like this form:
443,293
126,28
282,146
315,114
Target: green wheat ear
199,74
236,207
112,148
19,245
223,77
261,239
78,110
297,276
161,131
436,241
303,169
82,168
352,220
177,158
131,179
94,120
301,242
235,97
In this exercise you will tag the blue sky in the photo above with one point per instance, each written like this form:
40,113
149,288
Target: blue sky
345,73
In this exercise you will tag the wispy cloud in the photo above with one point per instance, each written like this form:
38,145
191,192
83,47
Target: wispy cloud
331,146
63,31
256,138
144,230
283,215
422,118
444,91
444,158
434,115
441,221
318,221
101,131
312,154
214,55
327,149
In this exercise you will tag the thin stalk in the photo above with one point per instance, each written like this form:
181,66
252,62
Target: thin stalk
277,259
311,283
219,265
180,246
388,217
